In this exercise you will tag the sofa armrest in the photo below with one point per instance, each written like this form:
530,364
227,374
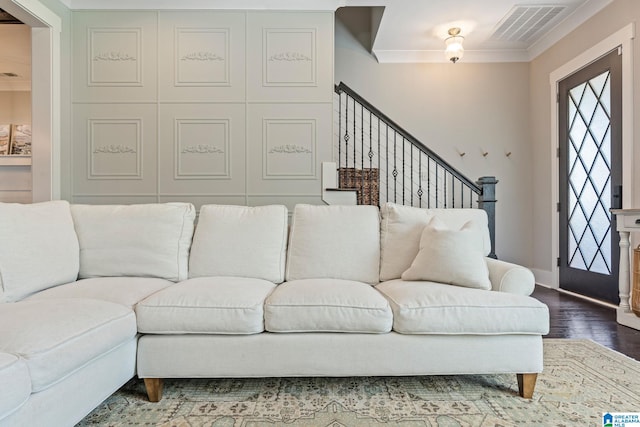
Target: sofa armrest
511,278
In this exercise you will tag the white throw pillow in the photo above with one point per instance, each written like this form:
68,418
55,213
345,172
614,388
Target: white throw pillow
450,256
150,240
458,217
334,242
38,248
240,241
400,231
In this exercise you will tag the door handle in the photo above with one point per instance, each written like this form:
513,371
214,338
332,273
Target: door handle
617,197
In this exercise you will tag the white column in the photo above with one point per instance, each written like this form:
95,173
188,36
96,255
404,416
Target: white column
623,279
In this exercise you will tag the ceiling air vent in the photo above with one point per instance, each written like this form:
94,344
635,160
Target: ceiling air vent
525,23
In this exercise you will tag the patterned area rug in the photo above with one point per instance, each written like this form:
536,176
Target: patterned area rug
581,380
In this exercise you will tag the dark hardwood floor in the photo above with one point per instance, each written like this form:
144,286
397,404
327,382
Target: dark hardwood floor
573,317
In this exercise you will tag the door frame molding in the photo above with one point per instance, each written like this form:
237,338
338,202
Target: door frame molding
623,38
46,104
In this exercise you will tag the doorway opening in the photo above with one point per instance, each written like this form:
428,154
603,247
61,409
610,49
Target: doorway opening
45,94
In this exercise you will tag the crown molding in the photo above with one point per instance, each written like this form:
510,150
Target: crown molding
319,5
437,56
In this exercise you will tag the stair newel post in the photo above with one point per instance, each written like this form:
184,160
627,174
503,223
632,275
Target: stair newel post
487,201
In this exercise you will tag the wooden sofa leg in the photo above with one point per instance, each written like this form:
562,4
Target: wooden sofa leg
526,385
154,389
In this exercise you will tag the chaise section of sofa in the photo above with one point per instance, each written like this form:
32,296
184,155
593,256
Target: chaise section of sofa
77,339
16,384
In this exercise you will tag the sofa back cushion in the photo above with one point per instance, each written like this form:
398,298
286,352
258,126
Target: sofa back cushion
151,240
400,231
337,242
38,248
240,241
401,228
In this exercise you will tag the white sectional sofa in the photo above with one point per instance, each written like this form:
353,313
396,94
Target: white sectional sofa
93,295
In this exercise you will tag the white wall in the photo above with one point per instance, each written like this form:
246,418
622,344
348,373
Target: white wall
15,107
470,108
614,17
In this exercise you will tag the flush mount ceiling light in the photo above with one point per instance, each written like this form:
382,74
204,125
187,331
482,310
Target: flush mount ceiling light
454,50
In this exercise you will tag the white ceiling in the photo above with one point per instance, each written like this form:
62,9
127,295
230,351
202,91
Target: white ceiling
15,57
408,30
414,30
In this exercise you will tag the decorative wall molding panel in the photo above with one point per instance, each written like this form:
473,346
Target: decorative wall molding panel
114,149
114,57
110,161
285,145
295,159
289,57
201,56
202,148
226,107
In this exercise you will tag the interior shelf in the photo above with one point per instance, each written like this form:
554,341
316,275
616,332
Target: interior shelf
15,160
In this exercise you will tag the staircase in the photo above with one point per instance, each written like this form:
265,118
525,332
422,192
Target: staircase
377,162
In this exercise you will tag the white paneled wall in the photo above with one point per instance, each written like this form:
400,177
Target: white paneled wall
227,107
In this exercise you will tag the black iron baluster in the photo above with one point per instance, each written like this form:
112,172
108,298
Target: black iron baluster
453,192
339,129
436,185
387,160
379,175
370,177
419,180
428,182
444,188
403,170
361,192
395,169
411,157
355,138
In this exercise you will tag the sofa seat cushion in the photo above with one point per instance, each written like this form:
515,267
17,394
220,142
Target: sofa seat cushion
206,305
59,336
127,291
327,305
436,308
38,248
16,383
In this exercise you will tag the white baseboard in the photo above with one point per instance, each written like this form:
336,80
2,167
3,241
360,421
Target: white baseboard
544,278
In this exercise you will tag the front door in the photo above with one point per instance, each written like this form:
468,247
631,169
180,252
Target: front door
590,126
